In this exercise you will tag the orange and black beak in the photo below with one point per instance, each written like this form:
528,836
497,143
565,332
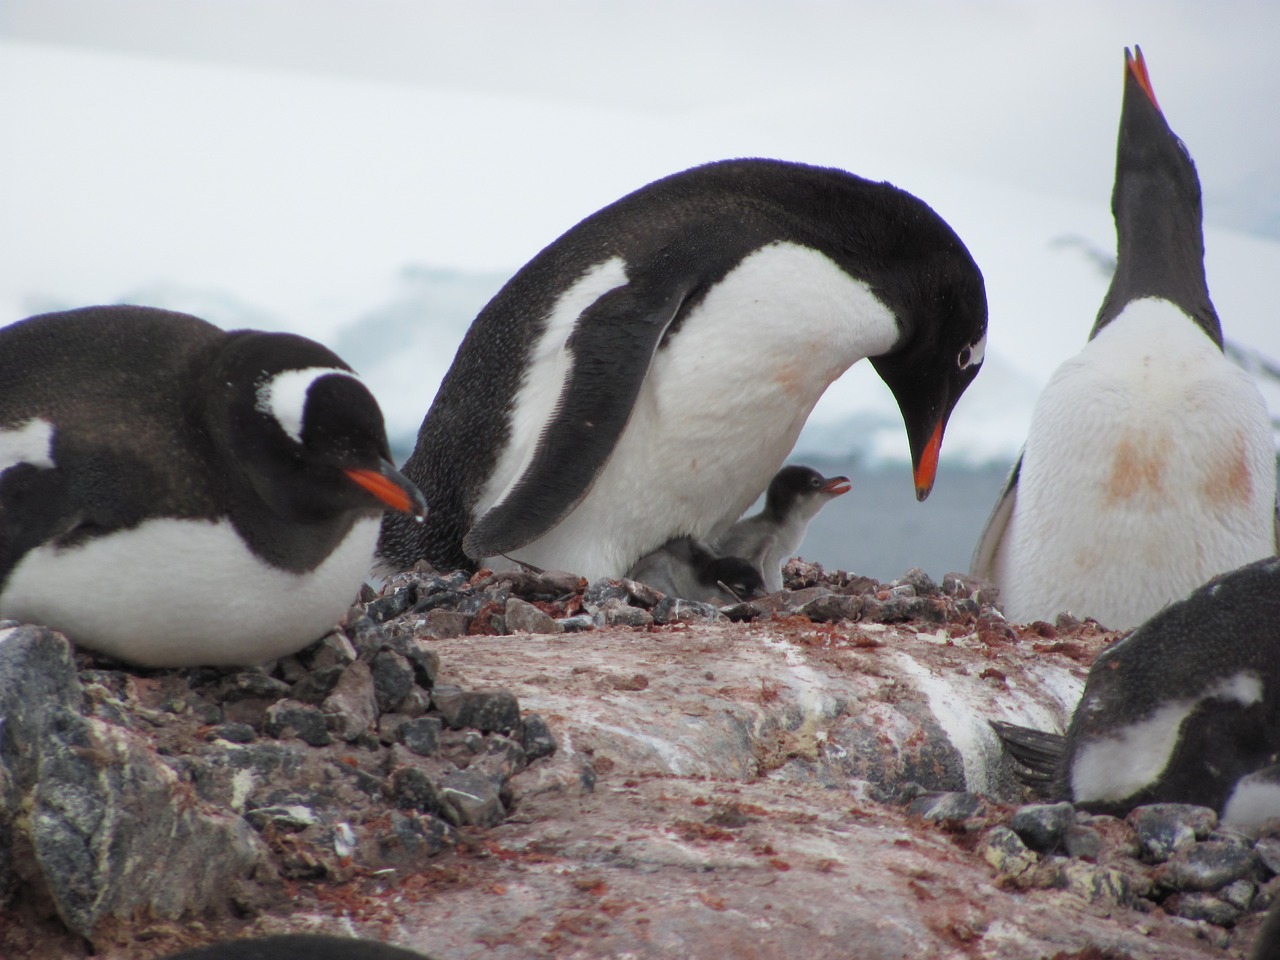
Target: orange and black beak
390,487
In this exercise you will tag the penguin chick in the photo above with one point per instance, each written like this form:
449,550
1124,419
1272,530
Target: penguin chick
1150,464
174,495
685,568
768,538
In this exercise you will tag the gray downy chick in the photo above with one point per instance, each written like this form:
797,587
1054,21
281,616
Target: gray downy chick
686,568
768,538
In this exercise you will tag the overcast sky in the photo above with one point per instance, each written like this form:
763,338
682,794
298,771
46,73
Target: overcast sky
296,154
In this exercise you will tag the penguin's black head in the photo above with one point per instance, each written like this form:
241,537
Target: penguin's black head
940,302
794,484
308,433
739,575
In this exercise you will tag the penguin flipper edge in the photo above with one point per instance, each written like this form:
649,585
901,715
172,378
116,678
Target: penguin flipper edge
613,346
984,555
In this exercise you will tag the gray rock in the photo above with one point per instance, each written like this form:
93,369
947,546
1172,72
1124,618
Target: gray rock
674,610
88,811
301,721
318,684
919,581
412,837
832,608
471,799
442,624
1082,842
234,733
393,678
290,818
411,789
1239,894
352,708
947,807
1203,906
421,736
1043,826
1004,850
252,685
365,635
1208,866
491,711
1100,884
617,613
392,605
601,591
1165,828
331,650
425,661
577,623
1268,850
416,702
536,737
523,617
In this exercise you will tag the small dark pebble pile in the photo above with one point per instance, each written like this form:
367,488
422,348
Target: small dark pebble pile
441,606
1171,857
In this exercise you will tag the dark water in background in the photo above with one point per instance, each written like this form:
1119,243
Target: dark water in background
878,529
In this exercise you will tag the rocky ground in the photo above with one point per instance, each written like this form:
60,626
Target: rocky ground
529,766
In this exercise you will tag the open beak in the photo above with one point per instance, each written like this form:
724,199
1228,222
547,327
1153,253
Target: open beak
837,486
390,487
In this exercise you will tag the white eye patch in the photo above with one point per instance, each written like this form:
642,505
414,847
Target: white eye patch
973,354
28,442
284,396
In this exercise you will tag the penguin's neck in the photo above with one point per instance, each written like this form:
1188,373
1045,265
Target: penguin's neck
1160,253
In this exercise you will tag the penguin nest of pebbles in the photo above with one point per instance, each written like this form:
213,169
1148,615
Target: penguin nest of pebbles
352,778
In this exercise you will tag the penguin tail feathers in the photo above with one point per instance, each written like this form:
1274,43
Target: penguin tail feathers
1036,753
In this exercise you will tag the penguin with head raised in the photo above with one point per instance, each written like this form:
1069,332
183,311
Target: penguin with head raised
172,494
1185,709
686,568
768,538
1149,465
645,375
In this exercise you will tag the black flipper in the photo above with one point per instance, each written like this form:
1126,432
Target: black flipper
1038,751
613,346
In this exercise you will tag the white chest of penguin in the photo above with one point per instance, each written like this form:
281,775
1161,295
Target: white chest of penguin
722,405
1149,468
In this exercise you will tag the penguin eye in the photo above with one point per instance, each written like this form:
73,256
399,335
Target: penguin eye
973,354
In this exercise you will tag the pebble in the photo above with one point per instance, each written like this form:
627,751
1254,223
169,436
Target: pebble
1004,850
485,710
302,721
421,735
412,789
1165,828
393,678
443,624
523,617
536,737
352,708
947,807
1207,866
471,799
1268,850
1043,826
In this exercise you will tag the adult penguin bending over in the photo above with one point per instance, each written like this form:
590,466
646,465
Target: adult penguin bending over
1149,466
645,375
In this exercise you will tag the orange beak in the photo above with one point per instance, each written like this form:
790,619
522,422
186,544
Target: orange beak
927,468
390,488
1138,67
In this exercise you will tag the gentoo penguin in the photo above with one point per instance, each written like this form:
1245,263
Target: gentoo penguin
172,494
644,376
686,568
1185,709
1266,944
768,538
298,946
1149,465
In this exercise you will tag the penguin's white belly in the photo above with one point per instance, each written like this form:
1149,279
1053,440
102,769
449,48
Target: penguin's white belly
720,409
171,593
1149,468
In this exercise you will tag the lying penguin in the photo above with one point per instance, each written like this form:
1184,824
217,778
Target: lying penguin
645,375
768,538
685,568
1185,709
173,495
1150,465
